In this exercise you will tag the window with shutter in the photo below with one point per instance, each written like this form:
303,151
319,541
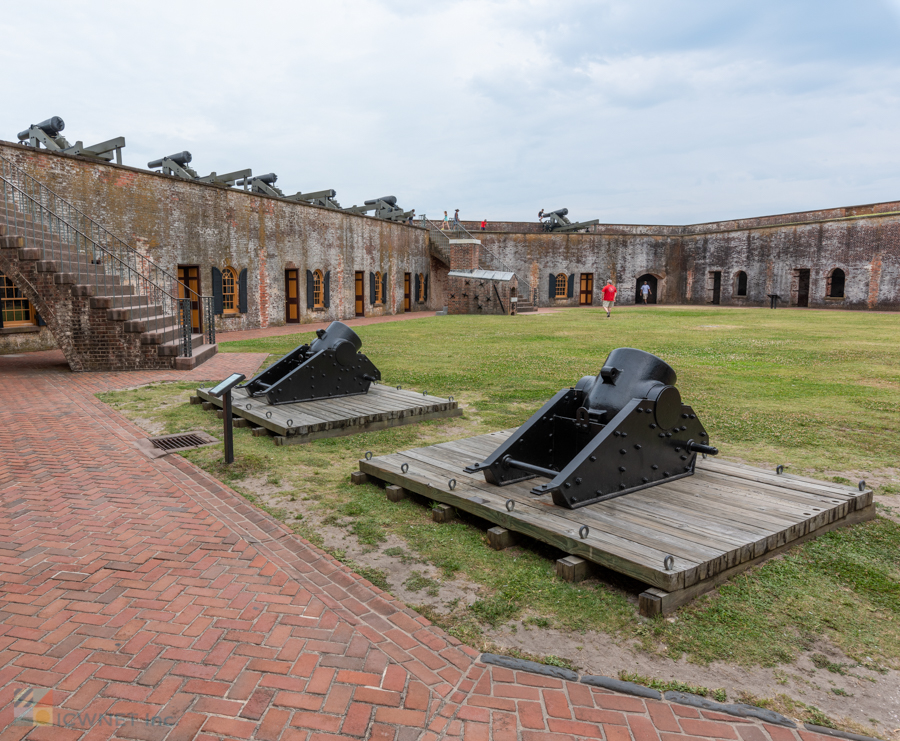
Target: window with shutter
560,286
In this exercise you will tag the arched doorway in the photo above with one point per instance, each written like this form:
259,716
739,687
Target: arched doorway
651,281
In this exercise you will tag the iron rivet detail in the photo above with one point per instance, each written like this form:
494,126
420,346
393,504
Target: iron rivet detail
623,451
654,467
622,469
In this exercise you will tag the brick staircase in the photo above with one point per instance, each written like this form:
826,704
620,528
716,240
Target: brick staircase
108,306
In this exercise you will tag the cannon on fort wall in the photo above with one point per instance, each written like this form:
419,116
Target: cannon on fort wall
177,165
558,221
622,431
49,133
329,367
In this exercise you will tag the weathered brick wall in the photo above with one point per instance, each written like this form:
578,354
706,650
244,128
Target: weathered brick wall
176,222
475,296
769,250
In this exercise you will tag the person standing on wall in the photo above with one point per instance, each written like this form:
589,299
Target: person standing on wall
541,216
445,224
609,296
456,219
645,291
483,224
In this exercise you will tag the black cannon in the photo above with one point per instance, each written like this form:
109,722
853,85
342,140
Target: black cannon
49,135
179,158
557,221
328,368
620,432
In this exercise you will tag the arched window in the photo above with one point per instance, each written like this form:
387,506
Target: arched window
561,286
379,294
318,293
15,309
229,291
741,284
835,283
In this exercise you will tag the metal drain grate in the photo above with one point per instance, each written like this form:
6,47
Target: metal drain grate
165,444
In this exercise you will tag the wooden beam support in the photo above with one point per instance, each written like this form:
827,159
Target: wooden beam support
499,538
207,405
395,493
358,477
196,400
572,568
442,513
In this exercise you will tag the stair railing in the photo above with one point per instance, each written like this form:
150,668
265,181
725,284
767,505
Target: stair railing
458,231
87,254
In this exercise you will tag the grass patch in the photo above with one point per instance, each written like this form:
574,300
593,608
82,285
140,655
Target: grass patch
816,391
719,695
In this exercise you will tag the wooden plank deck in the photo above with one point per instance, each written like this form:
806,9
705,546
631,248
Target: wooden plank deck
382,407
714,524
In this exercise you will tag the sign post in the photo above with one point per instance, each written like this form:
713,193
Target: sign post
224,390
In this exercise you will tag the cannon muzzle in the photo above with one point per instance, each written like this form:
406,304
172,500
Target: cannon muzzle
51,127
701,448
179,158
390,200
560,212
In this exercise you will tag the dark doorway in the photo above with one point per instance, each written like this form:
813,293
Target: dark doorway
586,293
189,275
651,282
407,299
836,283
741,283
291,297
360,293
716,287
803,287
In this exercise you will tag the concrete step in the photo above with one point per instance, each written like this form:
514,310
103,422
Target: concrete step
141,321
172,348
200,355
162,336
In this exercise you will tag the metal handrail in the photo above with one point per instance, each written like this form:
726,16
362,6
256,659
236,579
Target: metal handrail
459,229
91,254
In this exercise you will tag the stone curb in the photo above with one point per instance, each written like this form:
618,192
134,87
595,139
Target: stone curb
732,708
521,665
837,734
737,709
617,685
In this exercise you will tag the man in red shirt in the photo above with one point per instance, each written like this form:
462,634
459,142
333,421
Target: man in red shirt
609,296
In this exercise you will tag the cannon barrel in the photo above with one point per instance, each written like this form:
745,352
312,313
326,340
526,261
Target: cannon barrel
179,158
333,337
269,178
51,127
560,212
390,200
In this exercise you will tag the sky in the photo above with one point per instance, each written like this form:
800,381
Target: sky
628,111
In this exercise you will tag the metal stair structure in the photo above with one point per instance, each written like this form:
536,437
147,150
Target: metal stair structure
440,241
108,306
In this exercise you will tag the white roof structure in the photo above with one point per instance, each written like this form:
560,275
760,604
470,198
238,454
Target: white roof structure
482,274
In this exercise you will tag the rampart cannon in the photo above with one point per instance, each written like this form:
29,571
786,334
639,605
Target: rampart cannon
385,208
557,221
177,165
329,367
49,133
619,432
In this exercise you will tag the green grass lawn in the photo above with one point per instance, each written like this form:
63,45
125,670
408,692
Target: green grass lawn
816,391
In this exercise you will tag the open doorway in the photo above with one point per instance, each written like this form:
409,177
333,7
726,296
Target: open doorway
651,281
715,286
802,275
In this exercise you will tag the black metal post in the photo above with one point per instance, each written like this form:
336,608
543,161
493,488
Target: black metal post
229,438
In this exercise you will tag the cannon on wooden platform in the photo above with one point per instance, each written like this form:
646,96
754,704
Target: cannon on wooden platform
619,432
558,221
328,368
49,133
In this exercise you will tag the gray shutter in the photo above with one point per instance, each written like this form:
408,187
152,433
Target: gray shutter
570,286
384,295
425,290
372,288
242,291
326,289
417,288
552,286
218,303
310,290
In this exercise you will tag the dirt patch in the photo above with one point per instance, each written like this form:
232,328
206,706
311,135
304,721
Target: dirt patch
858,694
718,326
149,425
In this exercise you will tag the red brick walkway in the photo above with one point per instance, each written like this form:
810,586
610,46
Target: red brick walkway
156,603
